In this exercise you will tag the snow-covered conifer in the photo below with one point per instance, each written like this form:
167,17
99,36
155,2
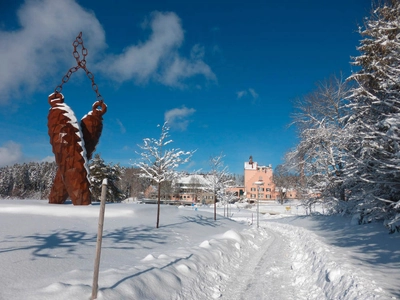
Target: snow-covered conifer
99,170
374,163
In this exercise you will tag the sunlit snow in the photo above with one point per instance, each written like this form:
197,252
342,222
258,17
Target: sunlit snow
48,251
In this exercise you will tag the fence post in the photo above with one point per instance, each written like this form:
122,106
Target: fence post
95,285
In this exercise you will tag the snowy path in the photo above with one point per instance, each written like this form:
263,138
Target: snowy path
266,275
293,263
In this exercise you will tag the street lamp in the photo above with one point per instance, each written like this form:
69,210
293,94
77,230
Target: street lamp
258,184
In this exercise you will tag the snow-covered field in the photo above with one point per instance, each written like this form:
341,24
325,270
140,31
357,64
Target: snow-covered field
48,251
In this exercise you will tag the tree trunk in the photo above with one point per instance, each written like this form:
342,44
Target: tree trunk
215,207
342,194
158,205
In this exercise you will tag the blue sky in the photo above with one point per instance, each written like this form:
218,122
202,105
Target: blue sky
222,72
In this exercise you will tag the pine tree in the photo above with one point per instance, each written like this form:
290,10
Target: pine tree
21,181
48,172
99,170
6,182
114,194
374,150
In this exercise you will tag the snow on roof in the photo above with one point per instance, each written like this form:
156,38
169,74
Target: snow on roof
254,166
195,178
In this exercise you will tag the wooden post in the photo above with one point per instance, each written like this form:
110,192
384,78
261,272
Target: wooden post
99,239
224,210
158,204
215,207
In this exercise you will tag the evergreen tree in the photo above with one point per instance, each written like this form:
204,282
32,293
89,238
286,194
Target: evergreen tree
48,172
29,180
99,170
374,150
6,181
21,181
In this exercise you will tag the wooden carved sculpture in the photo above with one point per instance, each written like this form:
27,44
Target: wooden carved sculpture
73,143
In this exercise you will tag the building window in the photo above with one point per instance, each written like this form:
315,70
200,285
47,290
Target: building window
253,189
260,196
268,190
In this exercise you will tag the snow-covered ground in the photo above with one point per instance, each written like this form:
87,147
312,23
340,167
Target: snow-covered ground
48,251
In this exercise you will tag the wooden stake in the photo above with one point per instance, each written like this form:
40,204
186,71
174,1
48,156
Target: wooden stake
95,286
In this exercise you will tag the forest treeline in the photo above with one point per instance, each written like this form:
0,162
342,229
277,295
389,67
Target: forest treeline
34,180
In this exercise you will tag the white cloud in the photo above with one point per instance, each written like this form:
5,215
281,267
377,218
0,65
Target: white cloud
48,159
121,126
141,61
253,93
177,117
36,56
157,58
241,94
33,55
181,68
10,153
244,93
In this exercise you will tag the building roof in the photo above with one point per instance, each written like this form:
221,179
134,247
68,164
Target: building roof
254,165
202,180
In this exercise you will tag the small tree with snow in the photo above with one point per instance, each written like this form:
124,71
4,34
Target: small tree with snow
219,178
159,163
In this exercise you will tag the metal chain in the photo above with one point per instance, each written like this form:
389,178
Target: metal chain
81,64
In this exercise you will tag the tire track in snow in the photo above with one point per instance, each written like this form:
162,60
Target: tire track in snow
266,275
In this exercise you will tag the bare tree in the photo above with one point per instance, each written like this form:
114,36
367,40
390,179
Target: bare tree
159,163
285,181
166,189
218,178
321,152
132,184
195,187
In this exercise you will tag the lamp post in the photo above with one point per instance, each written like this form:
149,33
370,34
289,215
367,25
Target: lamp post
258,184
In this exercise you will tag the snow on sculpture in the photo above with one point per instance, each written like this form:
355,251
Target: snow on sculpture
73,143
92,125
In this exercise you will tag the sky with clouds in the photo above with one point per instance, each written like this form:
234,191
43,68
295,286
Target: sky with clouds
222,74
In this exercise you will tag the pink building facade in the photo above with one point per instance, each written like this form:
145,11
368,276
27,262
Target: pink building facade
258,183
